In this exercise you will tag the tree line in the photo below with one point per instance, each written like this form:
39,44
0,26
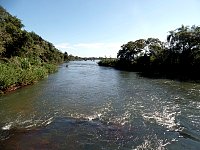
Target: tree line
178,56
15,41
25,57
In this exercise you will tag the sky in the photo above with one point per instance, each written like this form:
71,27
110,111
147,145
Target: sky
98,28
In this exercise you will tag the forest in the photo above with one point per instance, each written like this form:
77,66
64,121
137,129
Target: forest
178,57
25,57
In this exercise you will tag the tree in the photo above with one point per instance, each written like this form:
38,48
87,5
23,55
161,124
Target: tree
65,56
131,50
184,42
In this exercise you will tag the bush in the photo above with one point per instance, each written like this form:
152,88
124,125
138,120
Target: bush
50,67
8,75
108,62
23,71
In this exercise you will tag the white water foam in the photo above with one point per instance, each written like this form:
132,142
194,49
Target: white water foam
30,123
123,119
152,143
7,126
98,114
165,118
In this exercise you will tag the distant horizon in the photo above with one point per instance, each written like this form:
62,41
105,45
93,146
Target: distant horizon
96,28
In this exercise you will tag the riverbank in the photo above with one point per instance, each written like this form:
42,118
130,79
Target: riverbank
178,57
18,72
154,71
25,57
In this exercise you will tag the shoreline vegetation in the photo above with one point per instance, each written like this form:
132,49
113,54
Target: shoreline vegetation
178,58
25,57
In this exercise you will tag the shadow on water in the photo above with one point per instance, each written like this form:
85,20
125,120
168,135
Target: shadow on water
83,134
171,76
68,133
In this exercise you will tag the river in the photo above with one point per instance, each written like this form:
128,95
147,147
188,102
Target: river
85,106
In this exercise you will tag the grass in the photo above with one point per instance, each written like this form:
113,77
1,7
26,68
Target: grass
19,72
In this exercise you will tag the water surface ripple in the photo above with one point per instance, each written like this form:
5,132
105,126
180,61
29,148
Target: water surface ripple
85,106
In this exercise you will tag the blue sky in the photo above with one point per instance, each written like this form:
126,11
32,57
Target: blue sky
99,27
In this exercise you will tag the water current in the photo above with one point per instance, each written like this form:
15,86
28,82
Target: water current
85,106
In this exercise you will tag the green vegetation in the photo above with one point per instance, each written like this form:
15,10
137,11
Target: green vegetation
25,57
21,71
178,57
108,62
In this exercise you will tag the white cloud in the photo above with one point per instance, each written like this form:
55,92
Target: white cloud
63,46
91,49
89,45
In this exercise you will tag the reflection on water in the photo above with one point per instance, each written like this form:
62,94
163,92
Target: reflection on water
85,106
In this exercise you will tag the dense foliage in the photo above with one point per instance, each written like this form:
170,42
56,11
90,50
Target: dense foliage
14,41
25,57
179,56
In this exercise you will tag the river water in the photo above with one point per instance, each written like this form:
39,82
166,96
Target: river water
85,106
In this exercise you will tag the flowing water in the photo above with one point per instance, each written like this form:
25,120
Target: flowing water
85,106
